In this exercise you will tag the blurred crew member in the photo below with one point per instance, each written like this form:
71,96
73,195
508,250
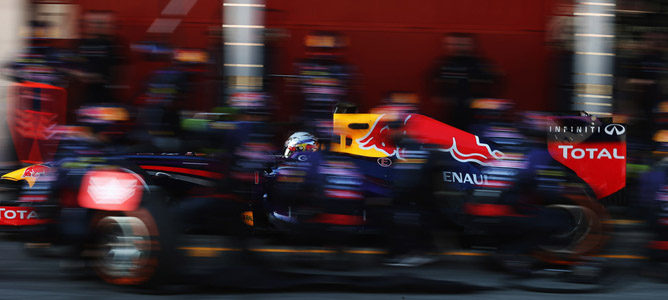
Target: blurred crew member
643,75
40,62
398,103
460,76
99,56
324,81
253,148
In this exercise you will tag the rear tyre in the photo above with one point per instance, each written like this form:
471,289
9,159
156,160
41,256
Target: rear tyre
588,235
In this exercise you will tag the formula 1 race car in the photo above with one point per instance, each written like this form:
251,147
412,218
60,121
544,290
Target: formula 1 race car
499,191
382,177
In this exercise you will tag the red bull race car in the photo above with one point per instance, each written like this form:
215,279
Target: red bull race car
500,187
383,181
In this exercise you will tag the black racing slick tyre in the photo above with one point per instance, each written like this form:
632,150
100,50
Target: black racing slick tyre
590,233
135,248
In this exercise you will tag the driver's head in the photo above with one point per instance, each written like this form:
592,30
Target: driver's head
300,142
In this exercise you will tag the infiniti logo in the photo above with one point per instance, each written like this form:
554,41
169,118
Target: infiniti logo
615,129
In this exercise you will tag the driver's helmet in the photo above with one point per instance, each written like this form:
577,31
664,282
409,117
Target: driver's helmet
300,142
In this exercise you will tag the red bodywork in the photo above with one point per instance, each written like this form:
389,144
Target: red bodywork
463,146
601,165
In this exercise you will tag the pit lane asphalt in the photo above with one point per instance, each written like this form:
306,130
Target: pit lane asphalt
29,277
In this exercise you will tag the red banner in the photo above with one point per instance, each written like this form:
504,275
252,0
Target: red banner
35,109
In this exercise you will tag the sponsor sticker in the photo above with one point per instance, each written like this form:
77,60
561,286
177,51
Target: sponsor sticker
461,177
384,162
615,129
20,216
596,153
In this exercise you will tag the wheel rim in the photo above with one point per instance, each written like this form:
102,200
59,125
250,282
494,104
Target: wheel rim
588,233
124,249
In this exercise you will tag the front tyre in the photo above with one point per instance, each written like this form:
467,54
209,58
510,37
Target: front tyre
134,248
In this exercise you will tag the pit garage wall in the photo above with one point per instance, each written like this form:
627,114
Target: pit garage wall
193,20
393,43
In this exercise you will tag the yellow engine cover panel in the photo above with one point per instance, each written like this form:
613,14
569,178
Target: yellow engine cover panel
362,134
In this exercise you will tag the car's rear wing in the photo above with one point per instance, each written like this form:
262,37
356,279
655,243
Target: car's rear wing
595,149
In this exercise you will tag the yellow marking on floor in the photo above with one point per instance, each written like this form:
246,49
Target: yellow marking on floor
206,251
37,245
622,222
621,256
210,248
291,250
463,253
365,251
213,251
280,250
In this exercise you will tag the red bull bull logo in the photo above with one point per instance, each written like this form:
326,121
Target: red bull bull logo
380,138
34,171
29,174
469,151
463,146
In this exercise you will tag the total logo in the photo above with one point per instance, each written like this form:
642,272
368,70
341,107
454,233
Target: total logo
569,151
14,214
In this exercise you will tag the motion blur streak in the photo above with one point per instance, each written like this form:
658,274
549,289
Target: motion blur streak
450,146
